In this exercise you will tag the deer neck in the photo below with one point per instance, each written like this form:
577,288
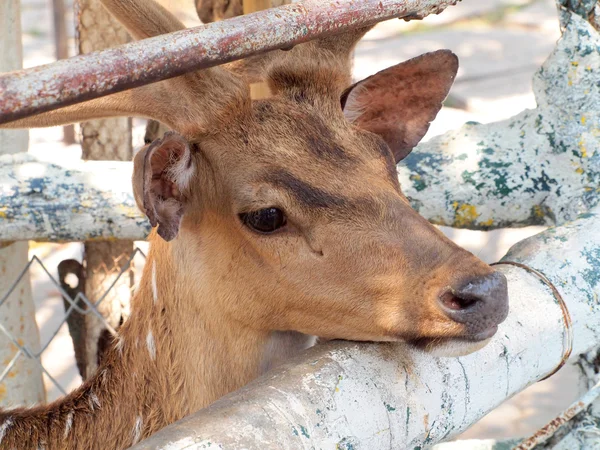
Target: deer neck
173,356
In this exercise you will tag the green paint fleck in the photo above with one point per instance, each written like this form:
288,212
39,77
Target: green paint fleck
304,432
346,444
295,431
418,182
389,407
592,274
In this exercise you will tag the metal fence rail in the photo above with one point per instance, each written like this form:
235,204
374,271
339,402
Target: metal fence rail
90,306
32,91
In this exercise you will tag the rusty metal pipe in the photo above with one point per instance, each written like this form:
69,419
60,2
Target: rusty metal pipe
28,92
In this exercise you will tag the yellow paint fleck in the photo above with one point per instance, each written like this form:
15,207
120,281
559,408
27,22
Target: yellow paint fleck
12,374
575,64
583,119
2,391
488,223
582,149
464,215
130,211
415,177
20,342
538,211
337,389
580,171
3,210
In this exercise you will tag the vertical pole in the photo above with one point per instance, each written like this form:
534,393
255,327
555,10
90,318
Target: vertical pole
22,385
62,52
107,139
261,90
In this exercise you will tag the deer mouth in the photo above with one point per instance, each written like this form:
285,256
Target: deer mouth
457,345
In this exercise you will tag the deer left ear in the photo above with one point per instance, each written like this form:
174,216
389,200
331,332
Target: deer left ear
162,175
400,102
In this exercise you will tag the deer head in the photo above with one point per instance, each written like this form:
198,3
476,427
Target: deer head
289,208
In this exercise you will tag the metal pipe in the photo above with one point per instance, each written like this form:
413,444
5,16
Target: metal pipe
27,92
415,400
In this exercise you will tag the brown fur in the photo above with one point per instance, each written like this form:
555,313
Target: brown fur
218,303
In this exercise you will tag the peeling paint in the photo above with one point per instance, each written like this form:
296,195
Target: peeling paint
505,170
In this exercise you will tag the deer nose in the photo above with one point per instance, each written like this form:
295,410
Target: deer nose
480,304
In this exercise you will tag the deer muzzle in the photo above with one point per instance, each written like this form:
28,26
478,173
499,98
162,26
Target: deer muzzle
480,304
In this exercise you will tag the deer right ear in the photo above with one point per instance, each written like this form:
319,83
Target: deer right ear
399,103
162,175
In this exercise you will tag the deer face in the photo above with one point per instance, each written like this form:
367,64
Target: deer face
294,209
289,209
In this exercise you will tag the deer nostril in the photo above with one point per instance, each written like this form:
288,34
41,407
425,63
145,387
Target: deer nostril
480,303
455,303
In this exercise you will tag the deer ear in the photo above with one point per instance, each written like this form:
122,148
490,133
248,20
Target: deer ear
399,103
162,175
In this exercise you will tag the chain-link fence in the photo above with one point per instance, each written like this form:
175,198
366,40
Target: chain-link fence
66,283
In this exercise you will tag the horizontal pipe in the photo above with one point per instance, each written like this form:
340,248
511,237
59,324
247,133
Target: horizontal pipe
84,201
44,88
345,395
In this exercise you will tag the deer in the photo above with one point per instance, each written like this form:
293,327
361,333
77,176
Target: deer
274,221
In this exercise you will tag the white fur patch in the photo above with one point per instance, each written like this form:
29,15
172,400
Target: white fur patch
151,346
353,109
183,171
281,346
137,430
95,400
120,343
4,428
154,288
68,424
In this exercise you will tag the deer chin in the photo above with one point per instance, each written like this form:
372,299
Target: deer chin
456,346
453,348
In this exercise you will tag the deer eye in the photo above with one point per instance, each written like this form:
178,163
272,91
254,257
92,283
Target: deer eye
264,220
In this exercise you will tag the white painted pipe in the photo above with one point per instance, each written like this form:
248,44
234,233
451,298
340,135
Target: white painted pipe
540,167
80,201
346,395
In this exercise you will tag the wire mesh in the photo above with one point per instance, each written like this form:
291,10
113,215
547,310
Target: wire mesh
89,306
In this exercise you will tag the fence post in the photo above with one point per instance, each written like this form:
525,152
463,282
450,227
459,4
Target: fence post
62,52
21,381
261,90
107,139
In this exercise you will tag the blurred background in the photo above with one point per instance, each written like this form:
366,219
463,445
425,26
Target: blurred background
500,43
